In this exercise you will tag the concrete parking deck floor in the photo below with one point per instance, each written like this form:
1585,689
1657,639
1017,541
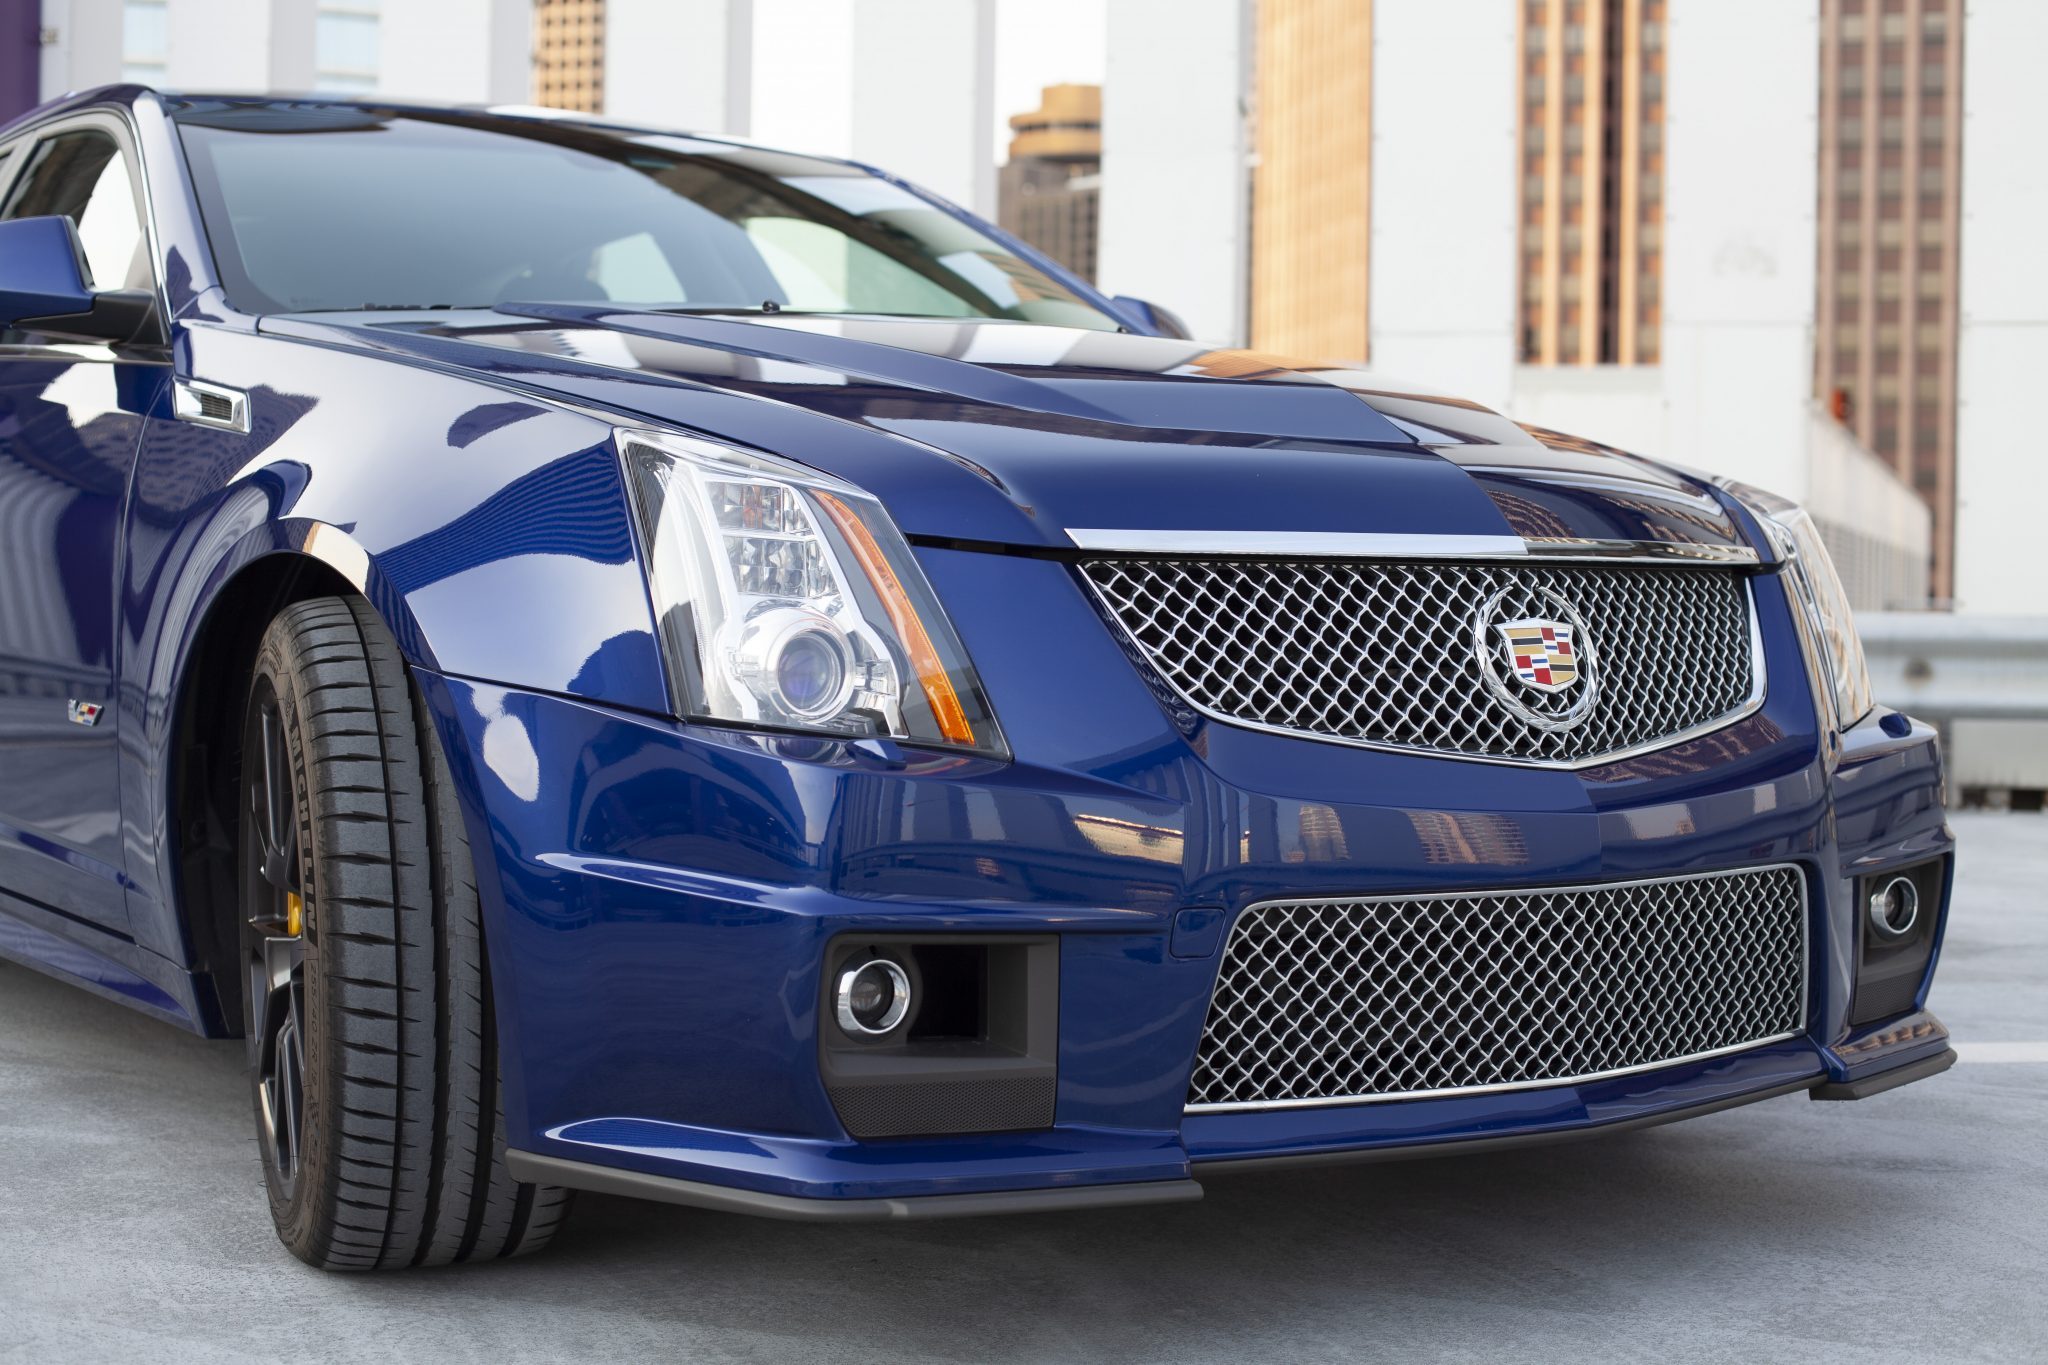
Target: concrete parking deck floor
1910,1227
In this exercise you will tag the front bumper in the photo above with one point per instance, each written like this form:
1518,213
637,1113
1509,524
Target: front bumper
659,907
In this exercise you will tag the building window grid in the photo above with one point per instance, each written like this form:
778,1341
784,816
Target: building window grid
1591,126
569,55
1894,295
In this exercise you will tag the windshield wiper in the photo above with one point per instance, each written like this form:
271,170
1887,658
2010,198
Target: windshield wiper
403,308
715,309
736,309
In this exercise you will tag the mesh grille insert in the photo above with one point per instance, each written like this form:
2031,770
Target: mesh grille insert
1330,1000
1384,652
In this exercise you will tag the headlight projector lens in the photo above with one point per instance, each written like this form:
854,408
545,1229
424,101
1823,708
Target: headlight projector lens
1895,908
872,998
798,662
810,672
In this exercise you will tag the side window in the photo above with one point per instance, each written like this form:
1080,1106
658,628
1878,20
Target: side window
83,176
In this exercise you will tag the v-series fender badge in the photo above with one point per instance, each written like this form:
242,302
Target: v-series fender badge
85,712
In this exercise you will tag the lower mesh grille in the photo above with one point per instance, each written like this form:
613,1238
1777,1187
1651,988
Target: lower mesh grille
1330,1001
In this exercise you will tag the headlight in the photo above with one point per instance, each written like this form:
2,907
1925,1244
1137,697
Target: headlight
1826,624
788,599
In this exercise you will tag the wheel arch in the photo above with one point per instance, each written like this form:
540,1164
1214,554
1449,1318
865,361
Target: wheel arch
203,769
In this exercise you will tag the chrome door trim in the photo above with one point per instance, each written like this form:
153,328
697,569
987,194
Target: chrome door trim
1322,1102
1401,545
76,352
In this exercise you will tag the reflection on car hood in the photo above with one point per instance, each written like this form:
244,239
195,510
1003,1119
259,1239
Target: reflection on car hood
1019,434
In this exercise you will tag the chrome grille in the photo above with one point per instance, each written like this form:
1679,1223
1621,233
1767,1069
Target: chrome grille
1332,1001
1383,653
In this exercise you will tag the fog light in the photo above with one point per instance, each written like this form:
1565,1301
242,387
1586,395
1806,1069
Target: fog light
873,997
1895,908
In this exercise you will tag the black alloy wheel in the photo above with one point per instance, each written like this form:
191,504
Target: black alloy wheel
275,920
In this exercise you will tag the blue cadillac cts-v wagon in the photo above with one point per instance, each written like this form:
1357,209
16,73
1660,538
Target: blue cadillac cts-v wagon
632,662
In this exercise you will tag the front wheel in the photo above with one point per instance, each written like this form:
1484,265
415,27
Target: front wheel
372,1048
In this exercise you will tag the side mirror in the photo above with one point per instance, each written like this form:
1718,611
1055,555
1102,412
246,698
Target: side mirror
43,288
1150,317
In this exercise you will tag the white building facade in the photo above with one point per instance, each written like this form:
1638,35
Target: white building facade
1733,391
458,51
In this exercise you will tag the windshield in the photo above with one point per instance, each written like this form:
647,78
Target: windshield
321,207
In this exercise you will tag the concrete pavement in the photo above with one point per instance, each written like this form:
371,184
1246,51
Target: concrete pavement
1909,1227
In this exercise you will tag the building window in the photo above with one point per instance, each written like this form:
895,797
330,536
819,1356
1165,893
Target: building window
345,40
1593,203
145,41
568,54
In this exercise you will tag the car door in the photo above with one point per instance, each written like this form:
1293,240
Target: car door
71,418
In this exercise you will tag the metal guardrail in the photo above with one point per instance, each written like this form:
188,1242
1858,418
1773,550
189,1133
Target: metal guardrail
1945,668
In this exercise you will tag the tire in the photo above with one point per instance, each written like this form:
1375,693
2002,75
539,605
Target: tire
372,1044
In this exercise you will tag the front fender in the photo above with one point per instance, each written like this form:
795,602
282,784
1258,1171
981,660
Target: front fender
489,527
490,530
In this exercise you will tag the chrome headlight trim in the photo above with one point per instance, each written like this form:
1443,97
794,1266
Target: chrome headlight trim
1827,624
747,554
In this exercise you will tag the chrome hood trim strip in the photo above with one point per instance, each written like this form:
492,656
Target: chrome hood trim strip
1376,545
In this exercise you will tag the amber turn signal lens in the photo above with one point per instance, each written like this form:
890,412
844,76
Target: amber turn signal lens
931,673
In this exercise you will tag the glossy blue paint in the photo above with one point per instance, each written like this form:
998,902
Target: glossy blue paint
1150,318
70,421
1047,429
658,895
40,274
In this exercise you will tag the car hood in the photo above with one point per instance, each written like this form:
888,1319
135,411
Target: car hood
1015,434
